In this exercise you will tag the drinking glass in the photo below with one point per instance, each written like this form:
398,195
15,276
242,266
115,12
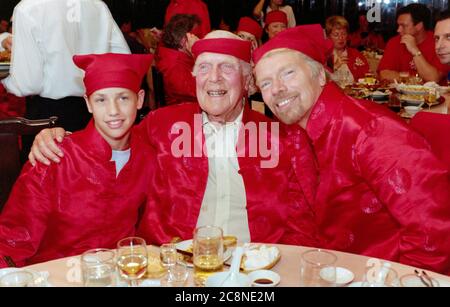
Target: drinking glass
98,267
168,255
17,279
317,268
208,253
177,275
380,276
430,98
132,259
404,77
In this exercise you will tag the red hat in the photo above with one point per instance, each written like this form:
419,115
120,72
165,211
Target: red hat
238,48
276,16
113,70
308,39
251,26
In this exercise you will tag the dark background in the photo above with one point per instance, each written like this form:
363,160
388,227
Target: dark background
150,13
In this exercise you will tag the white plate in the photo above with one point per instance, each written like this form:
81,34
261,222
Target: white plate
40,278
264,274
188,244
356,284
343,275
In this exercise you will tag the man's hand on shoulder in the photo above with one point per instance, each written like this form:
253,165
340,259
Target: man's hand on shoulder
45,148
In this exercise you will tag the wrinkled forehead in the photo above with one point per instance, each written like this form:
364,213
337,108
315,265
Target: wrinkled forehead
215,58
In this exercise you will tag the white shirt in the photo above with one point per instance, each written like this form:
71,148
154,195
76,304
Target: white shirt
287,9
47,33
3,36
120,157
224,203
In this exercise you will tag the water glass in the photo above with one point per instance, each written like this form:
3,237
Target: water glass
380,276
17,279
98,267
208,253
168,254
177,275
317,268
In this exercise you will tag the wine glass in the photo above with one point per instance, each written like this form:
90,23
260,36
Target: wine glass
430,98
132,259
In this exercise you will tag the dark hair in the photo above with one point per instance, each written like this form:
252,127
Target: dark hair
419,13
444,15
267,3
177,27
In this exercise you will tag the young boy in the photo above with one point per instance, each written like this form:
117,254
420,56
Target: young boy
92,199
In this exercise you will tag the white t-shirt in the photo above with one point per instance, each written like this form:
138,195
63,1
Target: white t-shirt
47,33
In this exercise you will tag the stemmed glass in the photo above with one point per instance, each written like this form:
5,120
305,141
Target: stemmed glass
132,259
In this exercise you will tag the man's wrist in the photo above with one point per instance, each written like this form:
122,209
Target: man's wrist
417,53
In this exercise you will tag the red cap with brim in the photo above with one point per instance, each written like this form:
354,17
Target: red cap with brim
307,39
238,48
276,16
113,70
251,26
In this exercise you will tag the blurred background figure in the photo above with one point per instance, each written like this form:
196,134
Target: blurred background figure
348,64
249,29
195,7
366,37
275,22
442,37
175,61
265,6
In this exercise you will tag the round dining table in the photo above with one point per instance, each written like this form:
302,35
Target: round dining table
66,272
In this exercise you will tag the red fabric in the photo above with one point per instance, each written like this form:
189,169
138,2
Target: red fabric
251,26
435,128
275,214
195,7
382,193
373,40
10,105
396,57
275,16
113,70
357,63
238,48
176,68
308,39
64,209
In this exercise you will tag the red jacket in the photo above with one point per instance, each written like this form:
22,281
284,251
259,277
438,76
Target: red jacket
382,193
278,199
10,105
67,208
357,63
176,68
195,7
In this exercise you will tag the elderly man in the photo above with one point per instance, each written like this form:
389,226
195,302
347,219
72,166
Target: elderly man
382,192
412,50
220,160
442,38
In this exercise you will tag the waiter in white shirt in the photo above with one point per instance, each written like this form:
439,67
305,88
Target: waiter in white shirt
47,33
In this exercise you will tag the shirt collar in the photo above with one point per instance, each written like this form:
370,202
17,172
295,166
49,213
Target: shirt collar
235,124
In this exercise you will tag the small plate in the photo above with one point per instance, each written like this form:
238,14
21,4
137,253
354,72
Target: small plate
264,278
40,278
187,246
343,275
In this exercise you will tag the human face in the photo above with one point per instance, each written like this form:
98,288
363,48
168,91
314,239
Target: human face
114,111
288,86
406,25
220,86
339,37
277,2
274,28
249,37
442,40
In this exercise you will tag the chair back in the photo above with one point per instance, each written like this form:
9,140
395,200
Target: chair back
436,129
10,131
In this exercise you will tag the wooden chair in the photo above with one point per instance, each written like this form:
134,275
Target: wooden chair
10,131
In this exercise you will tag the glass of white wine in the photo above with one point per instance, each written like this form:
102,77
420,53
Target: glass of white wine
132,259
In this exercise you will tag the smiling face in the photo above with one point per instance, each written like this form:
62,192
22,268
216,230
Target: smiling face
274,28
114,111
221,85
288,85
442,40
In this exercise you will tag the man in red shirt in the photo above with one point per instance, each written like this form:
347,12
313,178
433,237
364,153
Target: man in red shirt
382,192
412,50
442,38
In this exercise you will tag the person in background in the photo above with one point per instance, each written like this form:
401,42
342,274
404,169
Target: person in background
193,7
348,64
250,30
263,7
442,38
93,198
175,61
413,49
382,191
275,23
47,33
366,37
219,177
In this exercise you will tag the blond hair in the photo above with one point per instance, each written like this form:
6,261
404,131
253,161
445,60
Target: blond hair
336,22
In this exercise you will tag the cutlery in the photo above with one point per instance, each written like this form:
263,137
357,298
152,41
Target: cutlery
422,279
9,261
427,277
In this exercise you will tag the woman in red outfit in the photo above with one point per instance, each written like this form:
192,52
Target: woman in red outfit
347,63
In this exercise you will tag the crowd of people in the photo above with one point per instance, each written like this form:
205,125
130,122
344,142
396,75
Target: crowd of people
330,171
